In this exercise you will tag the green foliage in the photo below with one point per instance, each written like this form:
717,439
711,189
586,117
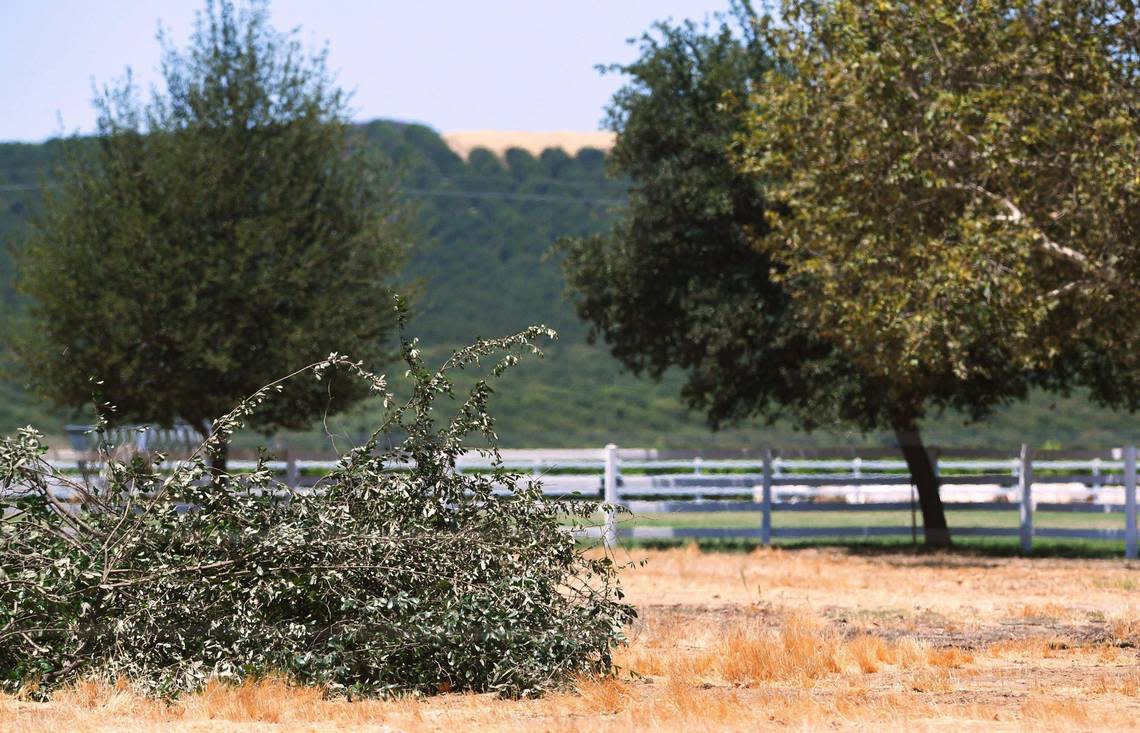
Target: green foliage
484,270
884,291
383,579
677,283
941,236
228,229
488,225
958,192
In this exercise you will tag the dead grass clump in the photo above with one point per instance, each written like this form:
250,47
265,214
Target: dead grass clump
270,700
871,653
681,696
932,680
1046,611
1127,684
950,656
892,710
99,696
908,653
652,648
1107,653
601,695
276,701
687,702
1051,708
1041,647
1126,629
1115,582
800,650
88,704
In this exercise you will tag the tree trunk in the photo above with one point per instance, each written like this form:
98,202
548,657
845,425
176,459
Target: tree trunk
935,530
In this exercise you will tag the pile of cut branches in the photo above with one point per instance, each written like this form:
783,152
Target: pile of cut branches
396,573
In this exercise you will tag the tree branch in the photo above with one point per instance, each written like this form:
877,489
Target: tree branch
1016,216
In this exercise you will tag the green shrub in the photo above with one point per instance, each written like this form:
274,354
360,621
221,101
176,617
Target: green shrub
378,581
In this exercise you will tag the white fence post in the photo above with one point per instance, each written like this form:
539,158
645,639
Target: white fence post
1130,501
292,473
610,495
766,500
1025,484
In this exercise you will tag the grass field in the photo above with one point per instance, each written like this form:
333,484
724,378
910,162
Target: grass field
850,524
1080,520
772,639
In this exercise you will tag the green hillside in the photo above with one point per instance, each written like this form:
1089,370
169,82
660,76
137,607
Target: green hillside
484,268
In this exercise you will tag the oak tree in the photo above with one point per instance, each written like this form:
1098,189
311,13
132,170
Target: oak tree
678,282
920,206
956,194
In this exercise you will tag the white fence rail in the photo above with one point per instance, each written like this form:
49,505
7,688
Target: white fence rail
778,488
652,482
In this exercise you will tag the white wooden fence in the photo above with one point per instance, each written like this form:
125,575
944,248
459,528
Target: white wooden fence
656,482
1081,474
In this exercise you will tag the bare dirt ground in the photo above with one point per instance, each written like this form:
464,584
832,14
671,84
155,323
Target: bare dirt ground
799,640
499,141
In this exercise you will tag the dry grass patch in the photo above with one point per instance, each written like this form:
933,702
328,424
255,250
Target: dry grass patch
1053,709
1125,683
1035,647
767,641
604,695
797,649
1046,611
1126,628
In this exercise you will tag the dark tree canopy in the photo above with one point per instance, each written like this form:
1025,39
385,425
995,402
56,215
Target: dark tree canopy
661,287
226,231
679,283
867,211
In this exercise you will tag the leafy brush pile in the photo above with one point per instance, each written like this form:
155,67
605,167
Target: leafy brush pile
395,574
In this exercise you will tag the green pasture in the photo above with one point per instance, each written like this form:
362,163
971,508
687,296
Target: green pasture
855,519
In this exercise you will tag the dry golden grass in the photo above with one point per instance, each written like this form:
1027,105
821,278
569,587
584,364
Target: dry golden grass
801,640
1046,611
1126,628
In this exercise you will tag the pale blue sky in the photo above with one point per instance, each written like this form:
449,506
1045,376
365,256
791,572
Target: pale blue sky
496,64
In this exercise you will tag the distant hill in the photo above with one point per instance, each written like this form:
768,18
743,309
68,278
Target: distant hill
489,209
